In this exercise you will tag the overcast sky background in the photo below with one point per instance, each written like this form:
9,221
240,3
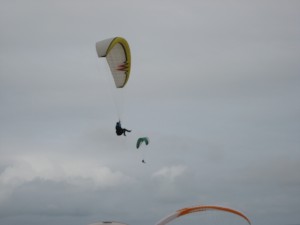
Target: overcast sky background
214,85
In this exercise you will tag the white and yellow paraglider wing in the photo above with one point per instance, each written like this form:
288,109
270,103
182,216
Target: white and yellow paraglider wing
117,53
186,211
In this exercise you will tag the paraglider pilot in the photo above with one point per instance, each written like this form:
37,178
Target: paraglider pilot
120,130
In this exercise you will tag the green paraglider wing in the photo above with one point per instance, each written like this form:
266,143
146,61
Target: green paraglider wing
141,140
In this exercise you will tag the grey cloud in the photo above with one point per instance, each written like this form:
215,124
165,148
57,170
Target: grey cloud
213,84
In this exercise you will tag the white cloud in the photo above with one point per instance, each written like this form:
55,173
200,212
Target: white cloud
85,175
170,173
170,183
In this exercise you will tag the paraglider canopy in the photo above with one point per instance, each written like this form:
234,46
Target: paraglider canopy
202,208
108,223
141,140
117,53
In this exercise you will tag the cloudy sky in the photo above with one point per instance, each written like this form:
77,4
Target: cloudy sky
214,85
